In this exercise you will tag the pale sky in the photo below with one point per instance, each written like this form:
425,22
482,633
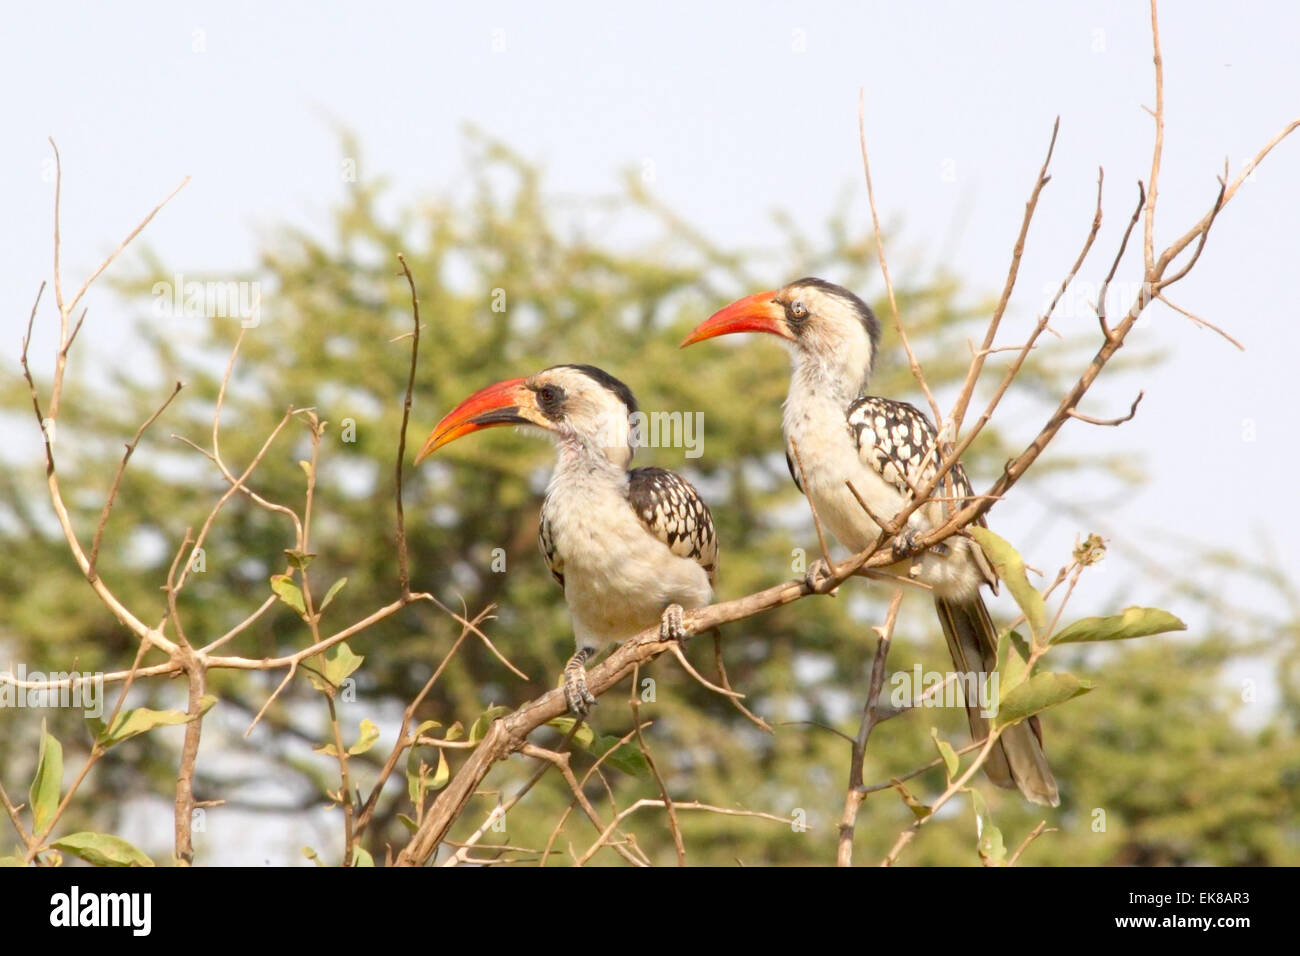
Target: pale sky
245,98
742,108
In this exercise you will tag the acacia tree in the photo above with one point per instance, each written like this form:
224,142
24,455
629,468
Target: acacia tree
267,579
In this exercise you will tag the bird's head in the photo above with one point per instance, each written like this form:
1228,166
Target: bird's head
586,408
827,328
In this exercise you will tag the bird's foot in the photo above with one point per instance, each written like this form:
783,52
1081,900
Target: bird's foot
905,544
819,572
576,694
671,626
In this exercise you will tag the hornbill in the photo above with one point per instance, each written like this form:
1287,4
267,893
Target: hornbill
629,548
885,448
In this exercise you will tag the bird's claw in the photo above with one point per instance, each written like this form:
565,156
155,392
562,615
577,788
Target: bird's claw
818,573
580,699
904,545
672,626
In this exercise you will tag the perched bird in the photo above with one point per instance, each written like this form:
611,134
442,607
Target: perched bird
629,548
885,449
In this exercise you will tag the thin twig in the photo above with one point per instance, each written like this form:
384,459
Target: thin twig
117,478
1200,321
1013,271
1034,834
673,826
912,361
403,568
1109,421
854,796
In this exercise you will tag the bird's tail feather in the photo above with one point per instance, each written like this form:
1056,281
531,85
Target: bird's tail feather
1018,760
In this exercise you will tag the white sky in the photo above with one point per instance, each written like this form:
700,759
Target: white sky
960,103
244,97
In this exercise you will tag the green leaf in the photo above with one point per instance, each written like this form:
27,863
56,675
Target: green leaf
366,738
919,809
1039,693
1132,622
132,723
1010,567
408,823
48,782
335,666
298,558
480,726
426,725
101,849
626,757
455,731
1013,662
414,782
418,781
341,663
305,465
585,736
310,854
990,845
369,734
442,774
360,857
950,761
335,588
288,592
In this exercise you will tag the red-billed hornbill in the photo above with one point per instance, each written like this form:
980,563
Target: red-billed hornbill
629,548
885,449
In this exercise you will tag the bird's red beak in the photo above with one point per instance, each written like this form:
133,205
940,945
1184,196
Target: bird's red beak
753,313
505,403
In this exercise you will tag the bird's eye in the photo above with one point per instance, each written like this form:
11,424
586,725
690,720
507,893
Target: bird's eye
798,310
550,398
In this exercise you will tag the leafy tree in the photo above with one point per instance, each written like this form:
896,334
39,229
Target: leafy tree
512,280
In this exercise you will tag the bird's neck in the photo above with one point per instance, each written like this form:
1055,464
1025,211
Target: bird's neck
824,382
819,397
585,461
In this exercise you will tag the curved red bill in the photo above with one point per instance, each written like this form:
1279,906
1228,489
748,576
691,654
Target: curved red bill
753,313
495,405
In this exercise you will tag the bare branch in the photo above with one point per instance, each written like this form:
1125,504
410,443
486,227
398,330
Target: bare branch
1111,422
977,365
403,568
1119,255
870,717
117,478
915,365
673,826
1200,321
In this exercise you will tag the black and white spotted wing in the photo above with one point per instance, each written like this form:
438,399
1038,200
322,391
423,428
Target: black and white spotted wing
896,440
673,511
546,541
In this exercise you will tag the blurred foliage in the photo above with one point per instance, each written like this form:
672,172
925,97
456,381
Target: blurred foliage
1160,752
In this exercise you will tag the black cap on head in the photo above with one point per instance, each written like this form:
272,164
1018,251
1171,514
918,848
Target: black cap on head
865,315
603,378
